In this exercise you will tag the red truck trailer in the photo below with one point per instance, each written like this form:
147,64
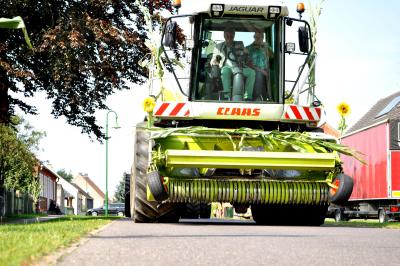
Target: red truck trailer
376,192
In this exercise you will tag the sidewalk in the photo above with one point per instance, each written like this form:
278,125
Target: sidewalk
33,220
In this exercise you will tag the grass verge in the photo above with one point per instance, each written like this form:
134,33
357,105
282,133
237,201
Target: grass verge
22,243
363,223
14,217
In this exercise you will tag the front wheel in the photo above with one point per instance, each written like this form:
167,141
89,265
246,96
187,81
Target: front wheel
94,213
342,193
142,210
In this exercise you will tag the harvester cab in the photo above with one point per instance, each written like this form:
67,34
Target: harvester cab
233,118
258,76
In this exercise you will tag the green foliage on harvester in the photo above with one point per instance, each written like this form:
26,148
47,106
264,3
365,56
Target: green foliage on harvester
272,141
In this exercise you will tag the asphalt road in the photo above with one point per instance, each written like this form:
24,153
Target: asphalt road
240,243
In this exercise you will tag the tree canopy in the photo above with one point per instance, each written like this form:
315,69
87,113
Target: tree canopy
83,52
64,174
119,195
17,157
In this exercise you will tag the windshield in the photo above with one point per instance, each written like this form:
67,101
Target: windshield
237,61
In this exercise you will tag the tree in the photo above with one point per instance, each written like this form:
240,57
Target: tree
119,195
17,158
314,12
83,52
65,175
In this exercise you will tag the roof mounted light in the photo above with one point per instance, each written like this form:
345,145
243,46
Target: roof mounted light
177,4
274,12
217,10
300,8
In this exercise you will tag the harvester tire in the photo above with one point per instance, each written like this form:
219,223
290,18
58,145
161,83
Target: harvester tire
191,210
195,210
315,215
142,210
299,215
344,190
205,210
267,214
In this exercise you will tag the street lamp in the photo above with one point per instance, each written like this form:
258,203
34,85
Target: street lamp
116,127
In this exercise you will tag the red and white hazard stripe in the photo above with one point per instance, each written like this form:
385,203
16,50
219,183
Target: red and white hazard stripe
294,112
172,109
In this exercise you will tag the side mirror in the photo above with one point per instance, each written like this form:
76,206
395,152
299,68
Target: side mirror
303,39
170,34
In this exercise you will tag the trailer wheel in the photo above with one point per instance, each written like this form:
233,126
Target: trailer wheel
143,211
338,215
344,190
383,218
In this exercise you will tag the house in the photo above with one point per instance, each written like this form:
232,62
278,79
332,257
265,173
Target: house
88,186
83,200
76,200
377,136
48,183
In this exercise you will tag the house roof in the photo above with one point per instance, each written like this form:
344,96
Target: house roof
384,109
330,130
82,191
68,187
93,185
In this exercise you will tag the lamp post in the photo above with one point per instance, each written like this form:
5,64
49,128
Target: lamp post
116,126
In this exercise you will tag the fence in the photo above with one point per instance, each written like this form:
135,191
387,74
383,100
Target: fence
12,202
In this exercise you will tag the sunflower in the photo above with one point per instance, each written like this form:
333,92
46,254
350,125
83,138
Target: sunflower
148,104
343,109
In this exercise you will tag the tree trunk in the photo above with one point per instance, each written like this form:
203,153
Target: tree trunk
2,201
4,104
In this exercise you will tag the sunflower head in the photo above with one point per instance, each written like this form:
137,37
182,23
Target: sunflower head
343,109
148,104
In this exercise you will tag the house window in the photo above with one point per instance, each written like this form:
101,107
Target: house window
42,191
398,132
389,107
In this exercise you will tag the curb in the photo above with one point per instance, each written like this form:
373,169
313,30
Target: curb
58,254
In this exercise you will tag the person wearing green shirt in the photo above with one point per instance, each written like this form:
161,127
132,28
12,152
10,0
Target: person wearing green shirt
228,56
259,53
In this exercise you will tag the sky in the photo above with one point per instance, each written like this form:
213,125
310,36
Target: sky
358,46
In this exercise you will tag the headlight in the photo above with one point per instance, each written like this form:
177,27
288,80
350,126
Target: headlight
217,8
274,11
290,47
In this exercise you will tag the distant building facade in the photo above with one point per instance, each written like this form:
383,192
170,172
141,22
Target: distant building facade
88,186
